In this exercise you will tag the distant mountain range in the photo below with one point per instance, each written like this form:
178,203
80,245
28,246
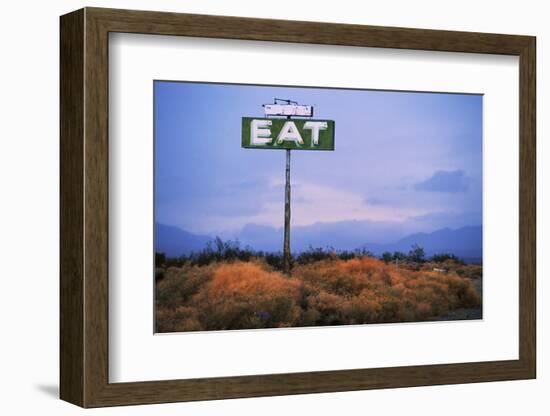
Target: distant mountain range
173,241
465,242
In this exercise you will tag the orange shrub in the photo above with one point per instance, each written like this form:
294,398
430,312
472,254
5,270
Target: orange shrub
362,290
244,295
182,318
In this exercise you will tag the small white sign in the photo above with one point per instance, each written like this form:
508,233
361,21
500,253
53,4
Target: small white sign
288,110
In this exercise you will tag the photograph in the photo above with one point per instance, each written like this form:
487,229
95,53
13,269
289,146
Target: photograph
365,206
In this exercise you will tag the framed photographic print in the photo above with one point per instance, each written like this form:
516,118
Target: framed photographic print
255,207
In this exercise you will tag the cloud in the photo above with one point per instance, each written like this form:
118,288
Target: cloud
445,181
318,203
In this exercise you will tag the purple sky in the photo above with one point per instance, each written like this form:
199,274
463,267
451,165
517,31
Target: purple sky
411,161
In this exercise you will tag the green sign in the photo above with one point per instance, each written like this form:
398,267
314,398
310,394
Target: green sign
279,133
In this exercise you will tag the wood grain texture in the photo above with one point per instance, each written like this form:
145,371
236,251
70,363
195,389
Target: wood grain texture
96,219
84,207
71,208
527,208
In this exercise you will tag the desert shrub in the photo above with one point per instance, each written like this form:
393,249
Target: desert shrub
445,257
160,259
275,260
314,255
343,278
398,256
181,318
361,309
387,257
159,273
245,295
180,284
234,294
473,271
416,254
220,251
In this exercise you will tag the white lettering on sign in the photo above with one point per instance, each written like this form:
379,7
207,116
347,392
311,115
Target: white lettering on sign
290,133
288,110
315,127
259,132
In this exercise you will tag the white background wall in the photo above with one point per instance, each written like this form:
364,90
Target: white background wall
29,159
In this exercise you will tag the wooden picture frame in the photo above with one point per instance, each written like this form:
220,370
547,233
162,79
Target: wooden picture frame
84,207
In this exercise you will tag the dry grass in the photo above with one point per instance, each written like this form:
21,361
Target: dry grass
244,295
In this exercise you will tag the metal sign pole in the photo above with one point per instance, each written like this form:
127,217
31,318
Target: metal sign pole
286,246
